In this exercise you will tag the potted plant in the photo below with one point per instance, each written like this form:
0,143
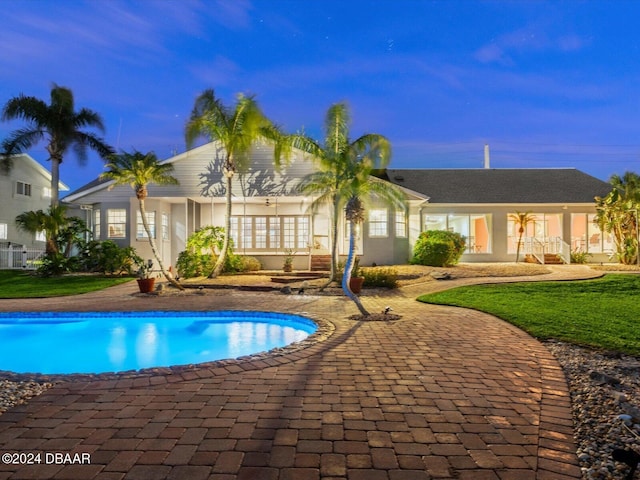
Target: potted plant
145,281
288,260
356,280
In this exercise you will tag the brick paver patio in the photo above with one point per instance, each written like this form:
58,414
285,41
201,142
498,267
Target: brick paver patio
440,393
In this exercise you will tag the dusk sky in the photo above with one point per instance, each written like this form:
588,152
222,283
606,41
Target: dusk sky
545,84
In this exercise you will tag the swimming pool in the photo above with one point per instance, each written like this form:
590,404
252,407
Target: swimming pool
98,342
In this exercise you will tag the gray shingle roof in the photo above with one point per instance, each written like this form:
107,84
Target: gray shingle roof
561,185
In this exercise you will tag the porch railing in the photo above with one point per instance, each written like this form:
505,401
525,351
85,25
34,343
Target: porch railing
538,247
20,258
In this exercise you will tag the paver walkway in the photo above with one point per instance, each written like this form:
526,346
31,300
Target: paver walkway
441,393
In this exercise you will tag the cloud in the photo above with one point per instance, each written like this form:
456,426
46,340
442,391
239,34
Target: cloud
505,48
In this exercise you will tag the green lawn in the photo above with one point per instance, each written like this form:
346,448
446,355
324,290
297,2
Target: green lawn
20,284
602,313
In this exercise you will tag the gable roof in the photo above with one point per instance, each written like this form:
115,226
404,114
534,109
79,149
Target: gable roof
509,185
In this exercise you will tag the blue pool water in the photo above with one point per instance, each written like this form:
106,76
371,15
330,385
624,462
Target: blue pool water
117,341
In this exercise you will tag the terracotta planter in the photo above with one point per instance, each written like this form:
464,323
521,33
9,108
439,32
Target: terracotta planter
287,267
355,284
146,284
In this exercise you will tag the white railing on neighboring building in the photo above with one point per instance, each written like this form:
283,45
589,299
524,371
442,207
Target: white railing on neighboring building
17,257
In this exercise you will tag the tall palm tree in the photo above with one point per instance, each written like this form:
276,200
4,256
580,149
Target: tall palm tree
333,158
237,129
522,220
60,124
362,188
138,170
51,223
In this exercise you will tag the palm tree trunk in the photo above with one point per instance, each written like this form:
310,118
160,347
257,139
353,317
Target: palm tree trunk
217,269
154,248
55,180
348,268
334,245
519,243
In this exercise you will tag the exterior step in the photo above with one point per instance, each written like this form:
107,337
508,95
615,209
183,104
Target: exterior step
320,263
552,259
549,259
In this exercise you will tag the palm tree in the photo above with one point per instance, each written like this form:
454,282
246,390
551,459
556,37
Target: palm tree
522,220
362,188
333,158
51,223
139,170
237,129
60,124
617,213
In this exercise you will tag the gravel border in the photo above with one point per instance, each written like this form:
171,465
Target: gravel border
605,399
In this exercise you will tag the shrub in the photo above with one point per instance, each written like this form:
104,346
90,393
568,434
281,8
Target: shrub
191,264
107,257
380,277
248,264
578,256
54,264
438,248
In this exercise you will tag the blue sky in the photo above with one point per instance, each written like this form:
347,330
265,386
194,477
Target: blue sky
545,84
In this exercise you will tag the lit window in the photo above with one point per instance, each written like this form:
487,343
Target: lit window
165,226
96,224
289,232
3,231
401,223
117,222
23,189
41,236
378,222
261,232
274,232
475,228
151,222
270,233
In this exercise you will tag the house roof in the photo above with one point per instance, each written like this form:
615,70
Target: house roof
553,185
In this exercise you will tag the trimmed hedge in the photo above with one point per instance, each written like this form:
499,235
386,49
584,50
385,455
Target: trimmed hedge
438,248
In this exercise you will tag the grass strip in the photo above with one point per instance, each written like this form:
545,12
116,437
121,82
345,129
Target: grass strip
21,284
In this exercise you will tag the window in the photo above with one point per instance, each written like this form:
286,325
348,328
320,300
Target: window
165,226
151,222
46,192
96,224
270,233
41,236
23,189
3,231
586,236
543,227
117,222
378,222
261,232
401,223
475,228
274,232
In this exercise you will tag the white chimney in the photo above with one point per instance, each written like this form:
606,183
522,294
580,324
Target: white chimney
487,163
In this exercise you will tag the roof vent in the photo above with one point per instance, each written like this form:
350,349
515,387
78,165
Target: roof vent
399,178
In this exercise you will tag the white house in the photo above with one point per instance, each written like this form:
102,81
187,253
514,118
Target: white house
269,215
24,187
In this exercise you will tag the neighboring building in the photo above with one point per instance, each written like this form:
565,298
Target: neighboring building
25,187
269,215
